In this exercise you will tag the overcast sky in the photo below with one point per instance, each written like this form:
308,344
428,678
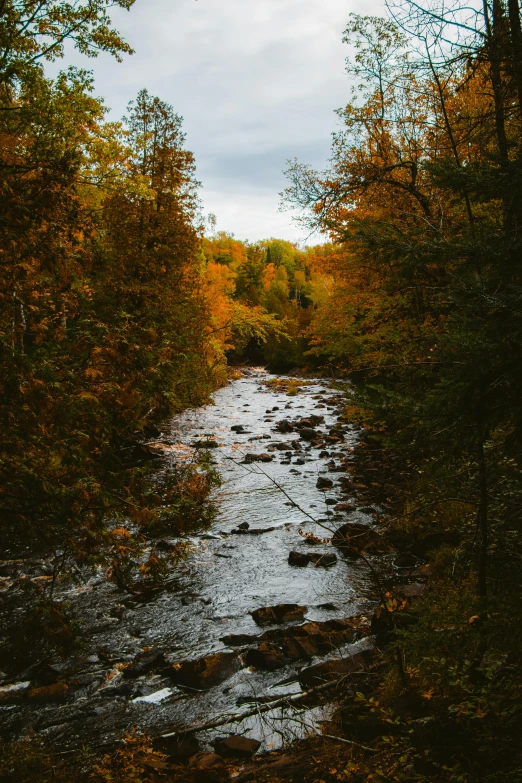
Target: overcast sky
257,82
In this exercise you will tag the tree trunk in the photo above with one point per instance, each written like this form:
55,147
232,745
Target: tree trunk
516,49
19,325
482,522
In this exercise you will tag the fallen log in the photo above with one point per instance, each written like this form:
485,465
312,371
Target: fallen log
260,708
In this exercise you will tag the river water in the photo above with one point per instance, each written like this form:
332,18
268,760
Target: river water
225,578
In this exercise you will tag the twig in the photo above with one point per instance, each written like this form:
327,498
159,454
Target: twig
350,742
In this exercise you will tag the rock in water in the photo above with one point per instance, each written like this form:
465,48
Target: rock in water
206,672
284,426
300,559
258,458
323,561
143,663
282,613
324,483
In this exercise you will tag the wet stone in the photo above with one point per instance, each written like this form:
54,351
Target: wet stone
302,559
144,663
203,673
236,746
258,458
253,531
324,483
282,613
346,507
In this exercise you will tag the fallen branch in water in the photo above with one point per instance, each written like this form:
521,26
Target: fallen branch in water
238,716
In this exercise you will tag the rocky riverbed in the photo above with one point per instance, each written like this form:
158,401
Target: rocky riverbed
266,606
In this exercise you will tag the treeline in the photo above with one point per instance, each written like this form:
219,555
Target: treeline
104,313
424,197
278,285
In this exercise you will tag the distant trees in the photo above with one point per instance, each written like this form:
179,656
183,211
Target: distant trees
276,278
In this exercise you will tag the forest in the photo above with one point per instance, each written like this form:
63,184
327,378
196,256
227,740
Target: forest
121,306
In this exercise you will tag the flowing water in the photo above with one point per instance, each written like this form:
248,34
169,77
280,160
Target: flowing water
225,577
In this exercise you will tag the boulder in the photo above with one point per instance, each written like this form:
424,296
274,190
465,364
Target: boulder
324,483
243,526
346,507
280,646
309,421
238,639
284,426
265,656
144,663
320,560
258,458
307,433
236,746
282,613
332,438
237,428
300,559
253,531
203,673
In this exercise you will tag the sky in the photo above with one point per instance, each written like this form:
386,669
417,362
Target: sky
257,83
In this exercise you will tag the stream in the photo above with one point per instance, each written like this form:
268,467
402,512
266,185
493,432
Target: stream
133,671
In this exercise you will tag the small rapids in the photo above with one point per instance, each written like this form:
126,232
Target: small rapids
226,577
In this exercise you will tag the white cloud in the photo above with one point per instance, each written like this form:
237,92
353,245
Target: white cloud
256,82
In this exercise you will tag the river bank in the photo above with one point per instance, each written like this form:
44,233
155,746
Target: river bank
265,607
